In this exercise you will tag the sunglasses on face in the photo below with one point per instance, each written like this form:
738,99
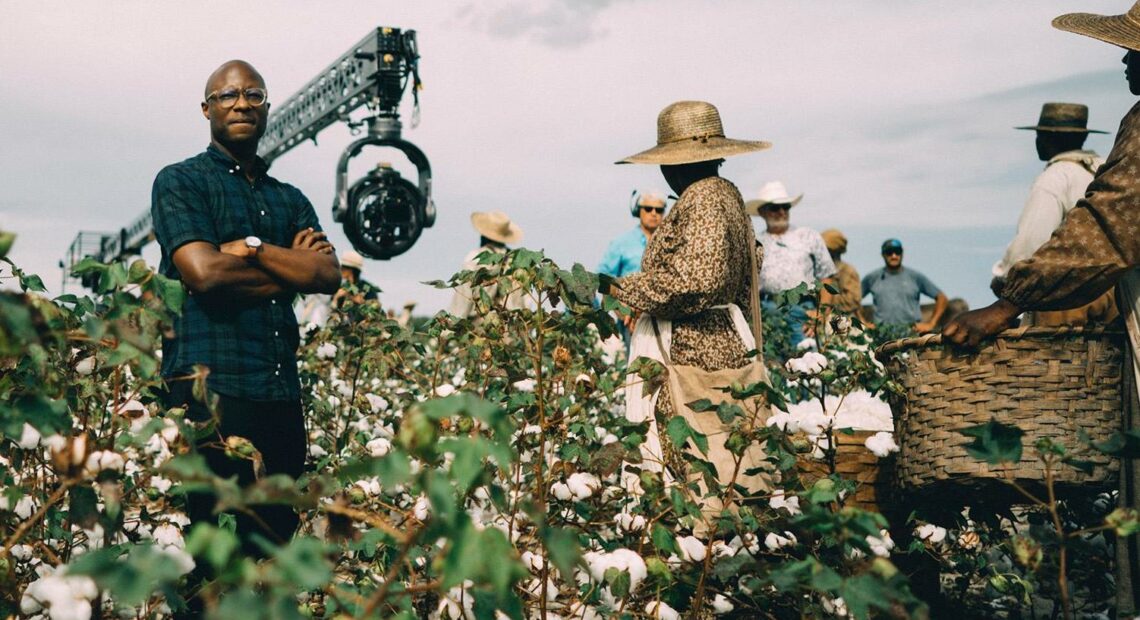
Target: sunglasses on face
654,209
892,252
778,207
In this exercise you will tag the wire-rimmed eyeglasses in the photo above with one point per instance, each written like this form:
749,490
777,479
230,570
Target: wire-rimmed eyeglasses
228,97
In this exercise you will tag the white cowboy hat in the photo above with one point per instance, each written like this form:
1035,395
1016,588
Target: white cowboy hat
496,226
691,131
352,259
773,193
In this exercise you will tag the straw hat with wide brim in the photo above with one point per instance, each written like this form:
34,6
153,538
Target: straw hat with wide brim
691,131
1122,30
773,193
496,226
1063,118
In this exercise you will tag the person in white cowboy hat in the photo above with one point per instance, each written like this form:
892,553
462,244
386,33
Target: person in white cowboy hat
695,275
351,284
1095,248
496,231
1061,132
792,256
623,256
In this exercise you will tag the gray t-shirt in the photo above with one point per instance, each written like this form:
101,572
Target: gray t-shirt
896,294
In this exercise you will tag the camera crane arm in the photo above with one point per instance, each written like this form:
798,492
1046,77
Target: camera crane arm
373,73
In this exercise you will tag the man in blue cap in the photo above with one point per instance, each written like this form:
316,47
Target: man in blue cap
895,291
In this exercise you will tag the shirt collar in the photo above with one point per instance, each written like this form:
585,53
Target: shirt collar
260,166
1073,156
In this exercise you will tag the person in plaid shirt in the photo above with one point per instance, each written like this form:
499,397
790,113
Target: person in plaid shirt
244,245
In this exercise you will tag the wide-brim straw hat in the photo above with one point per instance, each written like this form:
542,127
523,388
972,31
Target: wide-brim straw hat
691,131
1122,30
496,226
773,193
1063,118
352,260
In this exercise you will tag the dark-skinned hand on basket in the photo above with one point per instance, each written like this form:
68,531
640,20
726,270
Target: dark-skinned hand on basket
971,328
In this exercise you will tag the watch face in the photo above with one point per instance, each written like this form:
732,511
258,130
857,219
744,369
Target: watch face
253,242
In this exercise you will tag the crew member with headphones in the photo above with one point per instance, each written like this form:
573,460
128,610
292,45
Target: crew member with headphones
623,256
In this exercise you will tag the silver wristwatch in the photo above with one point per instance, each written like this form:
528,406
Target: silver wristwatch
253,243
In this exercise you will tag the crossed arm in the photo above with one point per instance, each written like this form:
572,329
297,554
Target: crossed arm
237,270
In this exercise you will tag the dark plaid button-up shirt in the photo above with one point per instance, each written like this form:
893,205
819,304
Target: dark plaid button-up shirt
250,346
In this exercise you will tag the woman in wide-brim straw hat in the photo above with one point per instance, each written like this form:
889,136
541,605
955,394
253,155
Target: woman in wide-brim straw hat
695,273
1095,248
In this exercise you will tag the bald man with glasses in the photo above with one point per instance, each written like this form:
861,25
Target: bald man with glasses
243,244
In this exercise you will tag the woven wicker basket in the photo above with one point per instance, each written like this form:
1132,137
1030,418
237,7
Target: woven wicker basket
853,461
1050,382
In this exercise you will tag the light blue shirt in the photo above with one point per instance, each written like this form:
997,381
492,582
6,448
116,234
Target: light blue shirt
896,295
623,257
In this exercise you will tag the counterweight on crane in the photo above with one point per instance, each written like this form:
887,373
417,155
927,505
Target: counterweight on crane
383,214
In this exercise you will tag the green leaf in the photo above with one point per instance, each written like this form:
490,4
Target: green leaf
679,432
562,545
619,581
701,405
138,271
662,538
303,563
994,442
214,544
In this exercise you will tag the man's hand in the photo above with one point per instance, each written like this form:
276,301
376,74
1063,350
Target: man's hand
313,240
923,328
971,328
996,285
238,248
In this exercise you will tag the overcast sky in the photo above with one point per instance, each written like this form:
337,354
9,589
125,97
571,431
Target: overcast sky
893,117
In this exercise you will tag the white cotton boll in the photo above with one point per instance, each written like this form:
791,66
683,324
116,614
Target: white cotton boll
836,607
22,553
29,438
531,429
532,561
631,482
881,444
930,533
422,509
720,549
561,491
54,442
317,452
326,351
334,401
609,438
378,447
85,366
168,535
861,411
775,541
746,541
808,364
882,545
630,522
581,611
692,549
661,611
630,561
104,460
721,605
160,484
370,486
181,560
583,485
525,385
781,500
376,403
169,431
806,344
61,597
444,390
534,588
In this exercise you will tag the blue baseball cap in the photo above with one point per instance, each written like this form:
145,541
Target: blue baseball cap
892,244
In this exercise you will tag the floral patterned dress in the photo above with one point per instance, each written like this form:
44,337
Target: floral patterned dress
697,259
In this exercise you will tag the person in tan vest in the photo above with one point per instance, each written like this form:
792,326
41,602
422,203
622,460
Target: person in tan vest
850,293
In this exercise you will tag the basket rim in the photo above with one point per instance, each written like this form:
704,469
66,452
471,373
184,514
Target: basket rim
1017,333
